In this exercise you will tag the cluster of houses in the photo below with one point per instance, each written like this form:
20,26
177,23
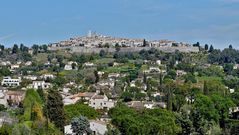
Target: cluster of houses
99,41
103,97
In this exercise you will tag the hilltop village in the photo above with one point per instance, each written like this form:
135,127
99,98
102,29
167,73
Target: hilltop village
111,86
94,43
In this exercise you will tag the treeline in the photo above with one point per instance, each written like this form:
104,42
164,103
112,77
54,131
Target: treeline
227,55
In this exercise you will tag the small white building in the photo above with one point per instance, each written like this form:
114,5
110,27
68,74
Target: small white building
30,77
236,66
68,66
232,90
109,83
47,76
98,127
14,67
180,72
40,85
9,82
28,63
132,83
113,75
149,105
154,69
88,64
101,102
72,99
158,62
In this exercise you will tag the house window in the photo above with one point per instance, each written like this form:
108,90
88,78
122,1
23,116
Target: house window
94,103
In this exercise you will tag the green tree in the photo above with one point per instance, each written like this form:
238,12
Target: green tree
144,43
79,109
205,107
5,130
80,126
145,122
2,107
15,49
222,105
97,78
55,110
117,47
206,47
102,53
59,81
127,96
35,49
4,71
211,49
190,78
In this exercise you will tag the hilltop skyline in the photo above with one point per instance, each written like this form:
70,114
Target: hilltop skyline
42,22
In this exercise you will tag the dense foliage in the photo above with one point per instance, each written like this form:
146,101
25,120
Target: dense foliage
155,121
78,109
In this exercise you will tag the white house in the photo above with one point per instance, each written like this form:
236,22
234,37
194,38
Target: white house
101,102
30,77
233,110
28,63
180,72
72,99
113,75
40,85
149,105
8,81
232,90
236,66
154,69
156,94
100,73
15,96
88,64
47,76
14,67
158,62
132,83
68,66
109,83
97,127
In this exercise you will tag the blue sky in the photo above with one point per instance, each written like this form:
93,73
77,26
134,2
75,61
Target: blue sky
43,21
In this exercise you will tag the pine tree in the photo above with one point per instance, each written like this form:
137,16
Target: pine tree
144,43
55,110
80,126
206,47
97,78
145,78
169,100
211,48
15,49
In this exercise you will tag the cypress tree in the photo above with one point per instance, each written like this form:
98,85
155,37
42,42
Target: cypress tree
205,88
55,109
